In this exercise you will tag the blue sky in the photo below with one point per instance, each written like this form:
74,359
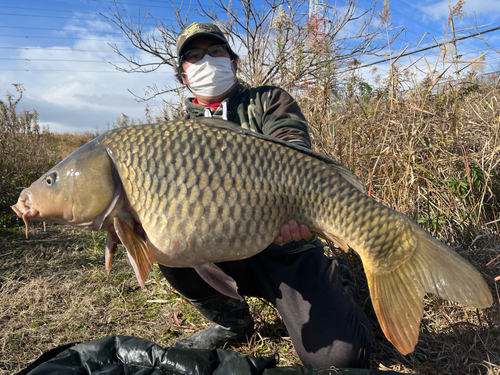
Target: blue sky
59,50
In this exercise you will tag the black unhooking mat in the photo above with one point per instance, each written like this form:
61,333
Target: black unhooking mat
134,356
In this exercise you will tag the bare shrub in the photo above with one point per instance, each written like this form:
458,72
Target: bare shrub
274,39
25,150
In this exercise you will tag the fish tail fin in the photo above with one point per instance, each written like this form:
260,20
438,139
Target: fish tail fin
433,267
137,250
446,274
399,308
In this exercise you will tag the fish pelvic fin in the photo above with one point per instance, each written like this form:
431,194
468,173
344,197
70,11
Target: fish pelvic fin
109,253
218,280
397,295
138,252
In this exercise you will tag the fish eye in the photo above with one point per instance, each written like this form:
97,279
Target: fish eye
51,179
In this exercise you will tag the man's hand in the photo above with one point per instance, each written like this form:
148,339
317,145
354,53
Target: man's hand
291,231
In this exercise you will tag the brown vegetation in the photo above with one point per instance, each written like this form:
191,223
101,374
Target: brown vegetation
434,157
53,291
24,149
27,150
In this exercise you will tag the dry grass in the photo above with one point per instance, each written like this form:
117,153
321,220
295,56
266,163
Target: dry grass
436,159
433,157
26,150
66,143
53,291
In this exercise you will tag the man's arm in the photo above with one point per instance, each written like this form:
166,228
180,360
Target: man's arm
283,119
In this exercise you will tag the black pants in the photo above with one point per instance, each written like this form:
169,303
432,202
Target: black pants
326,327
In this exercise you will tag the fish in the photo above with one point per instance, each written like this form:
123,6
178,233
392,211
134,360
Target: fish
208,191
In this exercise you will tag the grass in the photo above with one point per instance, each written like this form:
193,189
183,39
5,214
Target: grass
434,157
54,291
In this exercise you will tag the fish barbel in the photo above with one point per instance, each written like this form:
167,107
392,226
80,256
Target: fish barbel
206,191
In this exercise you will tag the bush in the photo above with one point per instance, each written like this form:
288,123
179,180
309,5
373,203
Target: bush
432,157
25,152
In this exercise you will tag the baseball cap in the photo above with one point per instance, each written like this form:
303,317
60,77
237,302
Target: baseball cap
197,29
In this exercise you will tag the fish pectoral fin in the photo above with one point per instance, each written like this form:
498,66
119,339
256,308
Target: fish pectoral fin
137,250
109,253
218,280
399,308
397,296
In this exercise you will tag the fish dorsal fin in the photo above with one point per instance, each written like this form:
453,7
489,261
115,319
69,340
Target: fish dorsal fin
218,280
137,250
345,172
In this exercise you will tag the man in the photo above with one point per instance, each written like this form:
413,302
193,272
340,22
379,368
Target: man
327,328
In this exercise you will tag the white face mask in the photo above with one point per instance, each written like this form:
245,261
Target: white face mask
211,76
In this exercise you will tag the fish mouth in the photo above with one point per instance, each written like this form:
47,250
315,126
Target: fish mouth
23,208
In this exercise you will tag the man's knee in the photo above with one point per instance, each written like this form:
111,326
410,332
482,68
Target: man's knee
341,354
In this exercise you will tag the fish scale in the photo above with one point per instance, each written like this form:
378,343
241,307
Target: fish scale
207,191
220,185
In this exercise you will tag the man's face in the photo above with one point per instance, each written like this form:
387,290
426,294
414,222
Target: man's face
202,42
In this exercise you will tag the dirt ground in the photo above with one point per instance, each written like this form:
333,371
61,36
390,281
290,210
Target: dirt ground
54,291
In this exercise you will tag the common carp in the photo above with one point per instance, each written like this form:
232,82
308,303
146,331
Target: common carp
207,191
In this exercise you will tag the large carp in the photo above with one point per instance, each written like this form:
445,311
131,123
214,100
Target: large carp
207,191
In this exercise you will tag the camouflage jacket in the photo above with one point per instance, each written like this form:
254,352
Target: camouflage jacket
266,109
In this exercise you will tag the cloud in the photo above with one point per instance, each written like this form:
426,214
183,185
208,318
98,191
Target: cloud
74,86
487,9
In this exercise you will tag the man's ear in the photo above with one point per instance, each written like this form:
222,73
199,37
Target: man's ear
183,78
234,63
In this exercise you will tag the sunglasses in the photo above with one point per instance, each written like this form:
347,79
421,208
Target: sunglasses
196,54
